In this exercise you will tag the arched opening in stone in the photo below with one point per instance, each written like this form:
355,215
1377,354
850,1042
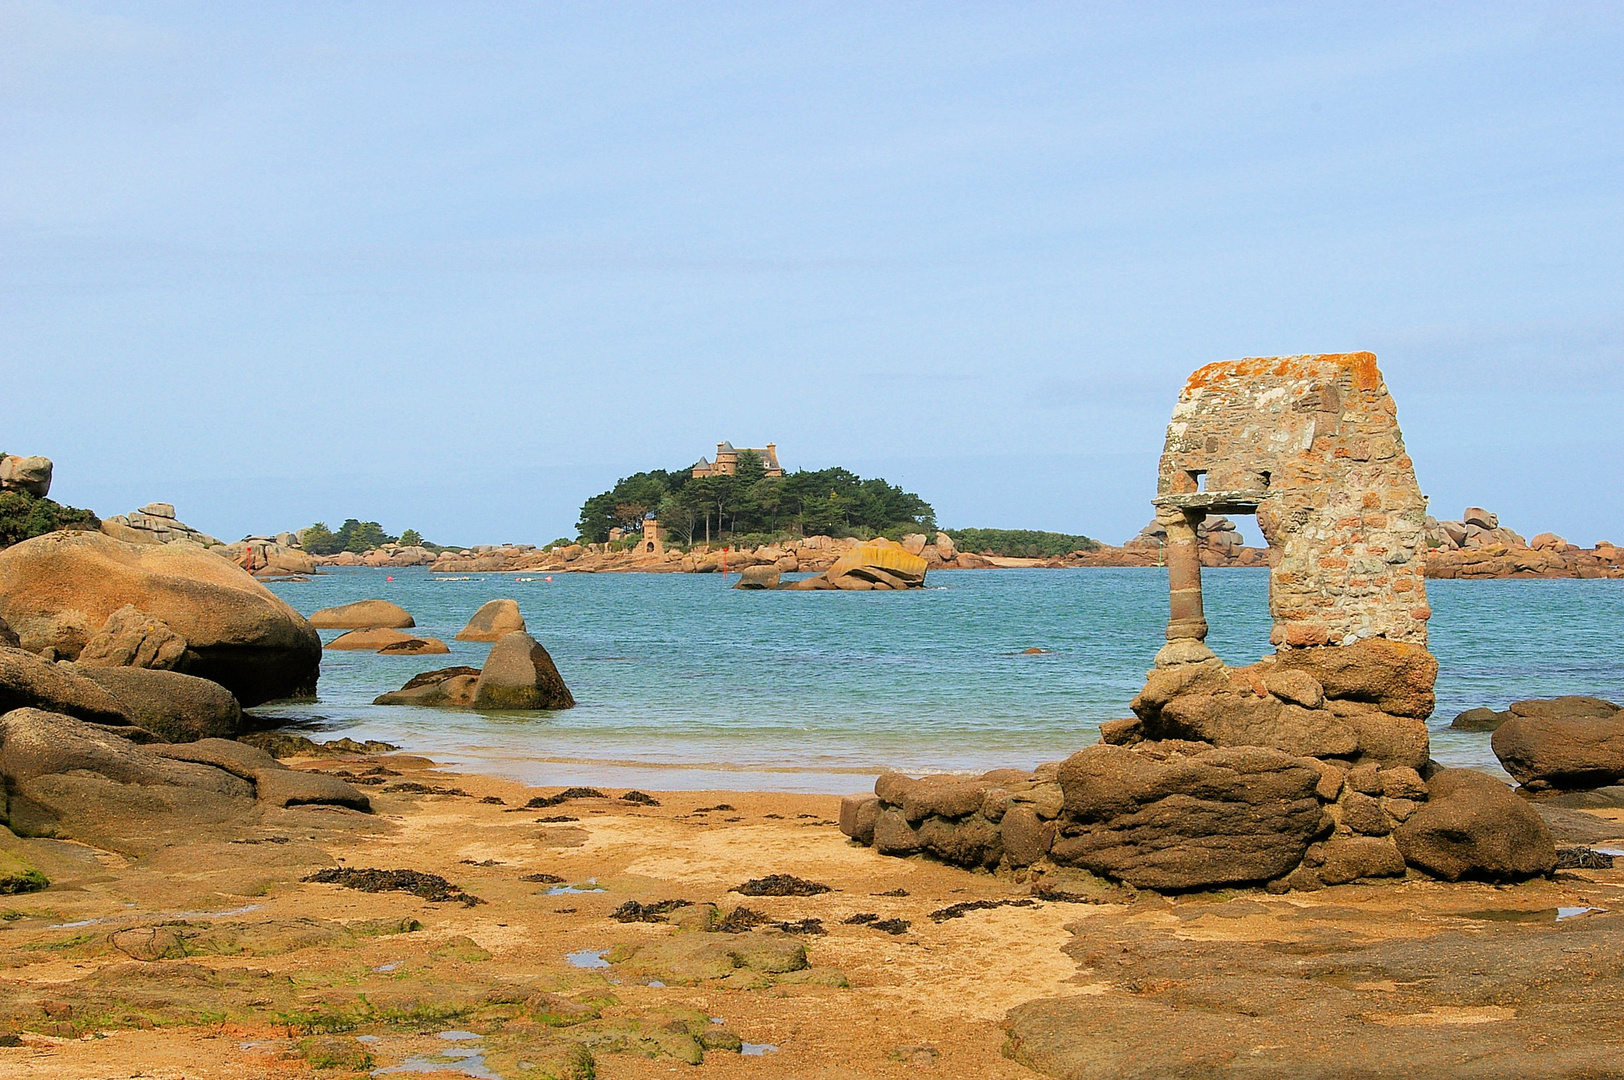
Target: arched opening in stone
1311,446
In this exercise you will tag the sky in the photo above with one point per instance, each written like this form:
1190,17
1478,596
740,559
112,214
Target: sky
459,266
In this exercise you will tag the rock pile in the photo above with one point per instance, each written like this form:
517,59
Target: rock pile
1478,546
154,523
1308,771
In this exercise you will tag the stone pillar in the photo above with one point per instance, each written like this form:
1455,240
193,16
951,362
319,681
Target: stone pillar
1185,619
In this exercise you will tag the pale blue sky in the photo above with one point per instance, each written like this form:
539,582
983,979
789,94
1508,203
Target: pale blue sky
460,266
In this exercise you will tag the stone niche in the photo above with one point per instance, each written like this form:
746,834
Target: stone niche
1311,445
1309,768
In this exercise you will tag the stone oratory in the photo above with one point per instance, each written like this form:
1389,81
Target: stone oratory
1309,768
1311,445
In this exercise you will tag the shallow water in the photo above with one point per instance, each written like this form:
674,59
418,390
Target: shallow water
684,683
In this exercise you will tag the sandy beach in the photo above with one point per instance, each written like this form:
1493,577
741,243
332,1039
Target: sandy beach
213,958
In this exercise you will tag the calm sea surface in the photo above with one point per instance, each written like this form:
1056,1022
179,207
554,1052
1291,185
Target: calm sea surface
685,683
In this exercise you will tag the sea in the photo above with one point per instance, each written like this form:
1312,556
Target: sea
685,683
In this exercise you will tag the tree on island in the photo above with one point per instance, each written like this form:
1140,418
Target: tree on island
354,536
832,501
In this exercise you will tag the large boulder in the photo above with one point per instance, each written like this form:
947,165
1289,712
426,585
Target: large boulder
519,674
131,638
70,779
1395,676
27,474
451,687
28,682
759,577
180,708
494,619
57,590
1474,826
1186,816
361,615
1570,742
878,563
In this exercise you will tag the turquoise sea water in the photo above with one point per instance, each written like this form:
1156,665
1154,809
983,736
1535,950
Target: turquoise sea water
684,683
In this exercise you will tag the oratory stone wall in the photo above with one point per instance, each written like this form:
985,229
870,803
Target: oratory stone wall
1311,445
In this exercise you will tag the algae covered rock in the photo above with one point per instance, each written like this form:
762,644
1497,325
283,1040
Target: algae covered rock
519,674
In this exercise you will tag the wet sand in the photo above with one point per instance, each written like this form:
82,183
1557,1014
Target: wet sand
214,958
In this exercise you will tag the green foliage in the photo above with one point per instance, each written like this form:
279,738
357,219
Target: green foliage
1021,543
319,540
353,535
24,516
411,538
833,501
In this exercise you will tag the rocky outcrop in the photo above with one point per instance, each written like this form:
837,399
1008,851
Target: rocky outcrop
1478,546
31,475
175,707
1473,826
58,590
131,638
494,620
70,779
264,557
361,615
154,523
875,565
520,675
389,555
1567,742
451,687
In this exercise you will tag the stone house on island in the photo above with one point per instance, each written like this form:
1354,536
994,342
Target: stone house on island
727,461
